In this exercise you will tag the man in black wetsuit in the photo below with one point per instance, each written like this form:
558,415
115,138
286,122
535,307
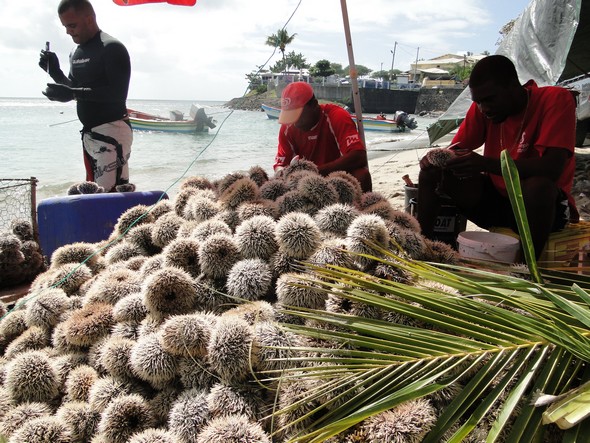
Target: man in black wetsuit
100,70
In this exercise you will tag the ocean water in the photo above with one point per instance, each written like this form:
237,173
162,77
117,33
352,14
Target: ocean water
41,139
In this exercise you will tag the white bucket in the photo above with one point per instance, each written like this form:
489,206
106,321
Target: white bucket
483,245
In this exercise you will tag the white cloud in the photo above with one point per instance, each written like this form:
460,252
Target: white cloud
204,52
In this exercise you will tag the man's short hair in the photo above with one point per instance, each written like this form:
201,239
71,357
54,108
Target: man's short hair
496,68
76,5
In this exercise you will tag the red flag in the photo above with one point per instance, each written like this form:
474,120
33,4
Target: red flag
141,2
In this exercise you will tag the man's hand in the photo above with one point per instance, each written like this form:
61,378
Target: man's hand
59,93
467,165
49,62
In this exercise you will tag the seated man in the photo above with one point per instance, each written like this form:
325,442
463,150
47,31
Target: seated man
537,127
323,134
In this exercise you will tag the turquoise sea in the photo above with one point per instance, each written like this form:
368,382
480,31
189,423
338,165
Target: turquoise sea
41,139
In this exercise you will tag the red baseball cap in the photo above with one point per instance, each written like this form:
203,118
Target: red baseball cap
293,99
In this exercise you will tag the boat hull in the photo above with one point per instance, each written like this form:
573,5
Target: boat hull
142,121
271,112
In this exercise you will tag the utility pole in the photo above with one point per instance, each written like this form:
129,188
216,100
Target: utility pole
381,71
416,64
392,60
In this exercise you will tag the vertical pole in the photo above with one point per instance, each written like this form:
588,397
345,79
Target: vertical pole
392,60
416,65
356,98
34,209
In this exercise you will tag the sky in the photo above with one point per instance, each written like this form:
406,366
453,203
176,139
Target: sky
204,52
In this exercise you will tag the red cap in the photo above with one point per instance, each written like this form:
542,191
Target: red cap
293,99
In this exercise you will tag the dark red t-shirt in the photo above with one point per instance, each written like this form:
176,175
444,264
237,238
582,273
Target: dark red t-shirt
549,121
334,135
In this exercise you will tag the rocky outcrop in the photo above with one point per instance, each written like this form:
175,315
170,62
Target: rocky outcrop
253,101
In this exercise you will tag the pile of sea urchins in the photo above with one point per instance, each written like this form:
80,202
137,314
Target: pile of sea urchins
20,255
160,333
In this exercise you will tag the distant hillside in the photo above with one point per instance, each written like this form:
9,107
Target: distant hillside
252,101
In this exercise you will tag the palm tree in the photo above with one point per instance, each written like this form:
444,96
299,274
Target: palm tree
280,40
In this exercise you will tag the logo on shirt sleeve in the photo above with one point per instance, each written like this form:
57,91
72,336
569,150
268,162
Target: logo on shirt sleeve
352,139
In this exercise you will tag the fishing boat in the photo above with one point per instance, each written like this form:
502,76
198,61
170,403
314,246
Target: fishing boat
271,112
400,123
199,121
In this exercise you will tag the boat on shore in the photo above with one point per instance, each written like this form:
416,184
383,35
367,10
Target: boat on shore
271,112
198,122
400,123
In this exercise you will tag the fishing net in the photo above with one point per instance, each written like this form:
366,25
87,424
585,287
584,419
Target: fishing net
17,201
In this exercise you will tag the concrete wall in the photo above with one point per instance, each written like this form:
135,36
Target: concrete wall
374,101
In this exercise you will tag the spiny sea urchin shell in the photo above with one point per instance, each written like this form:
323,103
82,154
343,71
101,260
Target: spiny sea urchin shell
230,218
370,198
273,189
301,165
132,217
80,419
332,252
241,191
253,312
249,279
69,277
348,191
169,291
255,237
224,400
199,208
150,362
188,415
76,253
227,180
22,228
412,242
366,227
196,182
104,391
79,382
259,207
440,252
153,435
183,253
16,417
88,324
125,416
123,251
195,373
298,235
294,290
46,309
383,209
273,346
439,156
42,430
229,349
32,339
187,335
130,309
410,421
141,237
258,175
114,356
209,228
162,207
13,324
233,429
217,255
111,286
318,190
165,229
335,219
151,265
30,377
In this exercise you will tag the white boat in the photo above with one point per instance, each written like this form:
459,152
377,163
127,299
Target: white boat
271,112
199,122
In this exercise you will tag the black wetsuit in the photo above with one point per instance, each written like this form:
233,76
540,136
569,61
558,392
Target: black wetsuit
101,64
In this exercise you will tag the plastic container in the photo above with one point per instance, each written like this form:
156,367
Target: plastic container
491,246
85,218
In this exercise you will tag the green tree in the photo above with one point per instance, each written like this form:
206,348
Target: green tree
280,40
338,69
360,69
322,68
291,59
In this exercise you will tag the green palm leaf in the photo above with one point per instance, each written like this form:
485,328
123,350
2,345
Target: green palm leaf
500,336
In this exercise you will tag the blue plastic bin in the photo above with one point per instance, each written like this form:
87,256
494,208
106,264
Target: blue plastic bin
85,218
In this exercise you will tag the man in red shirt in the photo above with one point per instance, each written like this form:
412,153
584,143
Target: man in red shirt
537,127
323,134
